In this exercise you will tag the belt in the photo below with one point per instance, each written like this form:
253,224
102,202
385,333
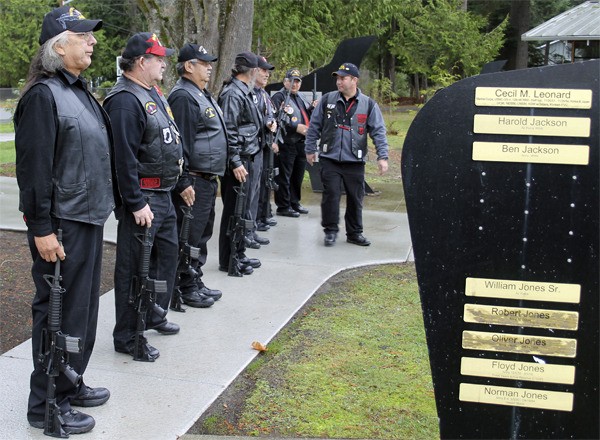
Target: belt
205,176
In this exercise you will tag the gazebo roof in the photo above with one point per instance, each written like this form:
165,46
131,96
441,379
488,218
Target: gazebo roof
579,23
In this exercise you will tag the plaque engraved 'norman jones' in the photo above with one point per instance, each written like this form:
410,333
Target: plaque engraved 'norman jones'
516,343
524,397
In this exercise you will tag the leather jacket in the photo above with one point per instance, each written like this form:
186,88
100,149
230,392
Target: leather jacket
241,120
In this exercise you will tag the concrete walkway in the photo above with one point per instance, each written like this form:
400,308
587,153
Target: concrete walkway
162,400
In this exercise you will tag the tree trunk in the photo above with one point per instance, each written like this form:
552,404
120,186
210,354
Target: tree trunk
520,19
223,27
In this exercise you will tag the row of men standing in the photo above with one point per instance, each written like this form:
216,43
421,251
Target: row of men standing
146,158
143,157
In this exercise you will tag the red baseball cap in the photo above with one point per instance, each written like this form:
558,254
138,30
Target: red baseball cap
145,43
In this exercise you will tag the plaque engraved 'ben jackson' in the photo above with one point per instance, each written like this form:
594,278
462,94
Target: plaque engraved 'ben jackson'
531,153
523,290
524,397
516,343
521,317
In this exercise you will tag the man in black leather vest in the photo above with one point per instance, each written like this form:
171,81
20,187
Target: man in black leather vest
243,137
291,160
200,121
149,161
64,184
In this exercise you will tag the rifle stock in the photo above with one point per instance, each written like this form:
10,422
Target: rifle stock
54,352
187,254
143,297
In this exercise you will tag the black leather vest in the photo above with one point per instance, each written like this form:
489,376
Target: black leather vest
209,152
160,156
82,174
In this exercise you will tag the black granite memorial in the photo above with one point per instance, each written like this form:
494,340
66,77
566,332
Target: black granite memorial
501,177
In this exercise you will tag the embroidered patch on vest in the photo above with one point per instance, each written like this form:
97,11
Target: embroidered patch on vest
151,107
149,182
361,118
167,135
210,112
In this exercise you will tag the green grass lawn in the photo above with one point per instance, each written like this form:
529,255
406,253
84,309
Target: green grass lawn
354,365
7,152
6,127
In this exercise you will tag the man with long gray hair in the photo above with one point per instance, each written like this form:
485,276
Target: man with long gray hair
66,175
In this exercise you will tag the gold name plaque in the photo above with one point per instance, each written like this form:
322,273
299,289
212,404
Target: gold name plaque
531,153
514,370
532,125
516,343
524,397
521,317
519,290
530,97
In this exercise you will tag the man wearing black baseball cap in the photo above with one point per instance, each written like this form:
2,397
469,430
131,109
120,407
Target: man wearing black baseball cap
342,121
62,136
291,160
149,158
202,129
243,137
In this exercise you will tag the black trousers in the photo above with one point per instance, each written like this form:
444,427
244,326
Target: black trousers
81,272
163,264
352,176
201,227
264,200
292,165
229,185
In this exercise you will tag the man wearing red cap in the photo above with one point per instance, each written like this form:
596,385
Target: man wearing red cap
66,180
149,161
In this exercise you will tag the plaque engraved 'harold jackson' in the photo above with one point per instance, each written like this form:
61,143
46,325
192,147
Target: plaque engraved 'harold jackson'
525,397
516,343
519,316
532,125
529,290
515,370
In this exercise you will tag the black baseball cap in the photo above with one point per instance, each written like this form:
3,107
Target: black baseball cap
264,64
293,74
145,43
191,51
347,69
247,59
66,18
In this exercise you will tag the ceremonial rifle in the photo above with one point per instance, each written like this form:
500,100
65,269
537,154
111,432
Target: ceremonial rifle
143,296
54,352
236,230
187,254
